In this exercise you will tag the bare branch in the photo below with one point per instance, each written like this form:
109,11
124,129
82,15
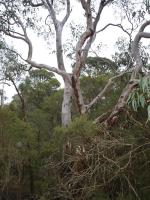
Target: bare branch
79,51
144,25
84,5
20,97
47,67
52,13
82,49
67,13
11,35
36,5
28,41
106,2
135,48
4,83
133,189
133,82
42,66
101,94
87,34
81,54
58,28
86,48
100,9
116,25
18,35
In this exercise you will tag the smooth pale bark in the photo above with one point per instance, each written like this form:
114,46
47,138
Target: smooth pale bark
66,104
82,47
102,93
133,80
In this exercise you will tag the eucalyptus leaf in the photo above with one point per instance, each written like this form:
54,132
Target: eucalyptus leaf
134,105
142,100
148,110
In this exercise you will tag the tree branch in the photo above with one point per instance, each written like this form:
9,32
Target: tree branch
36,5
20,97
135,48
116,25
68,11
101,94
82,49
59,28
27,40
18,35
11,35
49,68
119,107
83,38
52,13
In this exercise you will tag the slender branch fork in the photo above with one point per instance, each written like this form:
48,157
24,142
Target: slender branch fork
116,25
107,86
24,37
133,80
82,48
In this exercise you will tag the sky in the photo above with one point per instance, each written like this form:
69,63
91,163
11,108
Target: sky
41,53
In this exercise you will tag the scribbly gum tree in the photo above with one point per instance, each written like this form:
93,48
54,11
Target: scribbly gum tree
19,16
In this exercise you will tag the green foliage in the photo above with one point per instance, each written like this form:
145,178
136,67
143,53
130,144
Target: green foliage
103,166
123,58
97,65
81,127
14,129
96,84
60,161
38,85
41,160
148,110
139,97
52,106
78,131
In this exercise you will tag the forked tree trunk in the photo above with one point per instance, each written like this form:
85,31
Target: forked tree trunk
78,95
66,105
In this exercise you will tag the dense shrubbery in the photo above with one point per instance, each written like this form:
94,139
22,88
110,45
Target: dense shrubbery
41,160
108,165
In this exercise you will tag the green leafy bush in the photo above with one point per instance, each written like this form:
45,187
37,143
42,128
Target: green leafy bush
140,96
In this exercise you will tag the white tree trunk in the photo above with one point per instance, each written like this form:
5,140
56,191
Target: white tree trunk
66,105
